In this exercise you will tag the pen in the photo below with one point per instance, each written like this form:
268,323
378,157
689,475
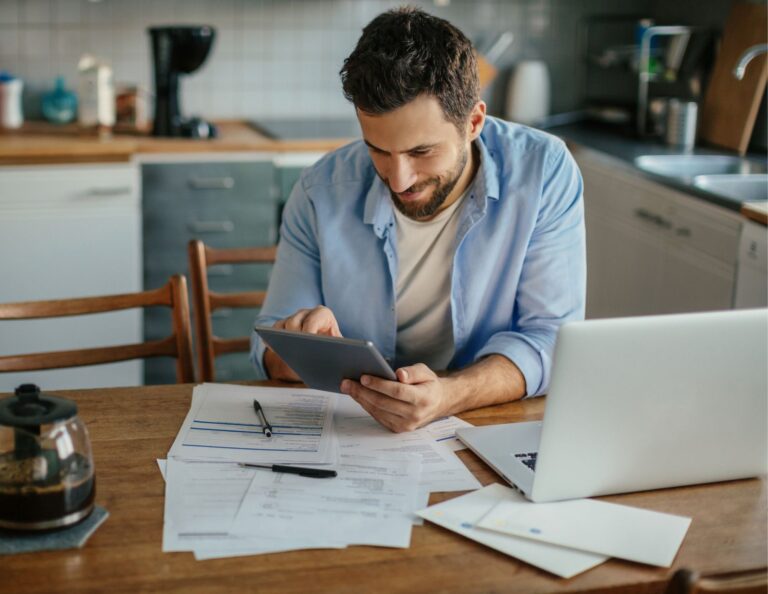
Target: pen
301,471
266,427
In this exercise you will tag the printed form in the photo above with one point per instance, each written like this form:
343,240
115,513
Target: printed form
222,425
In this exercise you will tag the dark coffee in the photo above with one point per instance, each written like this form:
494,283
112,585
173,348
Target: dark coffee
27,498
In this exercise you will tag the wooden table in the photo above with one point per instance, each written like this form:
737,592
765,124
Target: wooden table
131,427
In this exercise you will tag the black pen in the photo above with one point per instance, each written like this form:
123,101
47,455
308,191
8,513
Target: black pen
265,426
300,470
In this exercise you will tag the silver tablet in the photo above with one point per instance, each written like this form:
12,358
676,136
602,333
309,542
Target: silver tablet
322,362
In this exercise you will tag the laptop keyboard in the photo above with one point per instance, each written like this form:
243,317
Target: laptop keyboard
528,459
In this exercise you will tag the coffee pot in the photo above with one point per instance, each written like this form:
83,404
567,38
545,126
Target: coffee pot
46,467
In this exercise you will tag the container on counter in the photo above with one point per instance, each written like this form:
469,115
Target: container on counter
11,114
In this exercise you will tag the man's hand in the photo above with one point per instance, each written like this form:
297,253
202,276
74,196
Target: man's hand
318,320
419,397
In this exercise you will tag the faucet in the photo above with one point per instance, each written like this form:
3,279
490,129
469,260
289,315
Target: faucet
746,58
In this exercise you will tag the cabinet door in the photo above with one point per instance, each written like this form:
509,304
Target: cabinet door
652,250
624,268
224,204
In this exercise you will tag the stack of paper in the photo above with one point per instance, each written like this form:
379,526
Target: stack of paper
217,508
564,538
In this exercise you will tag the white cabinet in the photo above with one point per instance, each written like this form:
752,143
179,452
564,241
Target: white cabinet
752,277
653,250
70,231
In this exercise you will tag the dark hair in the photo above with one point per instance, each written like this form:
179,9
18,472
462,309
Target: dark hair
405,52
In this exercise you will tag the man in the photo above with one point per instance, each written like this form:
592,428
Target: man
452,240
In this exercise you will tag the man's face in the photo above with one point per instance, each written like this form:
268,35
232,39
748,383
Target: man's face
417,153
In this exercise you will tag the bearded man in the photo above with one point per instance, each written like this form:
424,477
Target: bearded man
452,240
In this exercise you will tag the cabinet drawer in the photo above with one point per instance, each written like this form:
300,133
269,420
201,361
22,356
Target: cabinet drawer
65,186
203,183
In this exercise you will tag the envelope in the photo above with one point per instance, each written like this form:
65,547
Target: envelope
596,526
460,515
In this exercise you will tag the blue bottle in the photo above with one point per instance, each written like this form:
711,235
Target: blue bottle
59,105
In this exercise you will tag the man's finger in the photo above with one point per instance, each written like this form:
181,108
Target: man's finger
396,390
391,421
321,321
376,400
415,374
296,321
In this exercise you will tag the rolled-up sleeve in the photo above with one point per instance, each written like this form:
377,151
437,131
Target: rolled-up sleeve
295,279
552,285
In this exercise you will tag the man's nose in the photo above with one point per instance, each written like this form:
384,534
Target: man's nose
401,175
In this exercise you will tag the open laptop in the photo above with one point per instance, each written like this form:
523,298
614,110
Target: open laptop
642,403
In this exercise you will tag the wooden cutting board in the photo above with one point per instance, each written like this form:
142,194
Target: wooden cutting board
730,105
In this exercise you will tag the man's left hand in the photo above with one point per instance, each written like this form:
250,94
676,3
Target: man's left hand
419,397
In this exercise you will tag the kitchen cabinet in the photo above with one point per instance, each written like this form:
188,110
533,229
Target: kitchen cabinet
651,249
233,201
752,277
70,231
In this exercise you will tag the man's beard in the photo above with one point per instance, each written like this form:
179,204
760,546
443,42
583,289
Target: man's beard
439,195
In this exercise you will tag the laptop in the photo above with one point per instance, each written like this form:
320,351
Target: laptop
642,403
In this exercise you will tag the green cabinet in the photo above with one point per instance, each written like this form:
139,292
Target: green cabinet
225,204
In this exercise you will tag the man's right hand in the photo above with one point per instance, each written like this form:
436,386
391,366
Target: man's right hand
318,320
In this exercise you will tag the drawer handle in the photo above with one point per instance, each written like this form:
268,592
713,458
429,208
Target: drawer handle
107,191
657,220
221,270
212,183
224,312
211,226
683,231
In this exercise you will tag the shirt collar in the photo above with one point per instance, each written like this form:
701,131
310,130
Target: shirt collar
379,210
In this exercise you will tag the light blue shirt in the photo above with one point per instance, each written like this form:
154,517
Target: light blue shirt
519,269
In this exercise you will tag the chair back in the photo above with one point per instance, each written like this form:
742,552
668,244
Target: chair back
205,301
178,345
685,581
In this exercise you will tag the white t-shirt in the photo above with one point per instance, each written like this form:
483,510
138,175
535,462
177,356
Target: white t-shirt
425,251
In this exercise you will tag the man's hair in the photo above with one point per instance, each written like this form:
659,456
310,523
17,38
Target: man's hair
405,52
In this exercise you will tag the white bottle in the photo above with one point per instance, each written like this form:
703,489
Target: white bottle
11,115
528,93
97,94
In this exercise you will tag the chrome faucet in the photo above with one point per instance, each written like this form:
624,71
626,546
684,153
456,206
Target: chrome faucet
746,58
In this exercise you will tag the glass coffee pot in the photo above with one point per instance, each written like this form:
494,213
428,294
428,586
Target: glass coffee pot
46,467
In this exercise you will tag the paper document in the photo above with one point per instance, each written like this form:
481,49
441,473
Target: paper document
461,514
444,431
370,502
606,528
442,470
222,425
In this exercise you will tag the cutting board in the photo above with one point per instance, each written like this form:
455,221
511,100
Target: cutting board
730,105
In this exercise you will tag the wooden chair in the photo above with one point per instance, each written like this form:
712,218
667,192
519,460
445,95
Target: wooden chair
178,344
205,301
685,581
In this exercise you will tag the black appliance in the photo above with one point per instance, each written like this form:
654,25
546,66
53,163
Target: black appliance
177,51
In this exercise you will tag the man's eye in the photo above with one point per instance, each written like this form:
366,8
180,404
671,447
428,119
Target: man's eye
420,153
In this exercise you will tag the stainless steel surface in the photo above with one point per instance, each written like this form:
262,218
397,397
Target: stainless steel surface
686,167
742,188
746,58
681,123
645,76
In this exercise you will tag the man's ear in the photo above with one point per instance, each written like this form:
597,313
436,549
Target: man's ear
476,120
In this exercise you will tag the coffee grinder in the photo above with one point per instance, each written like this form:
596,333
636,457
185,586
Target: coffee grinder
177,51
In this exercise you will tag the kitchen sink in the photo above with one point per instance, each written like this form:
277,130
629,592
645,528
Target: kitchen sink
742,188
686,167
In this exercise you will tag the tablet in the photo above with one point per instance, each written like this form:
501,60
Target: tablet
322,362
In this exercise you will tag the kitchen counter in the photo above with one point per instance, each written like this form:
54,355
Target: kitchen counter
40,143
622,147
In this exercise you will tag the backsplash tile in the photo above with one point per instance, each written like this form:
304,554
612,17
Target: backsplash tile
276,58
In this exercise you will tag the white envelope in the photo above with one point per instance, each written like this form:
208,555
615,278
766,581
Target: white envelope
461,514
596,526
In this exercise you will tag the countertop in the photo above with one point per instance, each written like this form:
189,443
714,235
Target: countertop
41,143
623,147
